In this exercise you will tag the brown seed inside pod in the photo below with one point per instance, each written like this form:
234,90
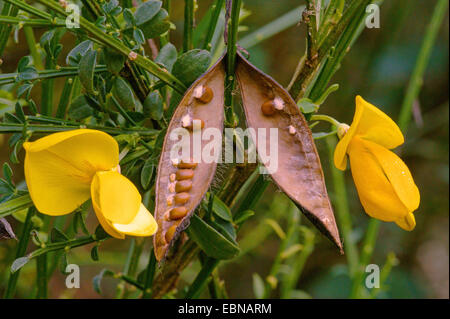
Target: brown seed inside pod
181,198
171,232
268,108
203,93
178,212
187,164
183,174
183,186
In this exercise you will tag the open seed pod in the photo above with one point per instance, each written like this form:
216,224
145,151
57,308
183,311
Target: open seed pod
182,183
299,174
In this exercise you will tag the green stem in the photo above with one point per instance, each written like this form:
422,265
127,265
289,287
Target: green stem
233,25
5,29
31,41
21,249
66,98
202,278
366,254
416,80
342,209
188,25
32,22
292,278
37,128
41,276
149,275
15,205
207,45
47,90
292,230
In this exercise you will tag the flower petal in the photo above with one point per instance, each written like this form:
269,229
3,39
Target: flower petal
376,126
142,225
59,168
376,193
398,175
407,223
372,124
95,194
119,200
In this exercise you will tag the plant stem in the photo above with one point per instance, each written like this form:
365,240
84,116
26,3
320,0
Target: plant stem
149,275
15,205
21,249
188,25
31,41
366,254
207,45
41,276
342,209
201,280
38,128
233,25
416,80
289,284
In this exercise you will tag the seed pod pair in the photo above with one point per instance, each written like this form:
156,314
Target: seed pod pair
266,105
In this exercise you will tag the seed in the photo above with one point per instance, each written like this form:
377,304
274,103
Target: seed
160,240
187,164
292,130
183,186
181,198
178,212
203,93
268,108
172,187
172,177
170,233
184,174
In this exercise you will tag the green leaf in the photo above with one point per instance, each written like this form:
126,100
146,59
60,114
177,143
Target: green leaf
97,280
94,253
114,61
242,216
156,26
139,36
147,173
153,106
79,221
190,65
7,172
146,11
19,263
258,286
213,243
86,70
129,17
167,56
123,93
57,235
307,106
80,109
219,208
75,55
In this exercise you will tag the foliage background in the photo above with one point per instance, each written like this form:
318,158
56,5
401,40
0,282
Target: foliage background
378,67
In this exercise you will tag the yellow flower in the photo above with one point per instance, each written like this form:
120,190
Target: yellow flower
385,186
63,170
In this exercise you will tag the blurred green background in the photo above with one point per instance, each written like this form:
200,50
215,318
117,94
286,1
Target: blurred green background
378,68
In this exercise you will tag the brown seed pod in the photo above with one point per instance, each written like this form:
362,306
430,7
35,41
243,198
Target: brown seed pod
299,172
201,174
187,164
